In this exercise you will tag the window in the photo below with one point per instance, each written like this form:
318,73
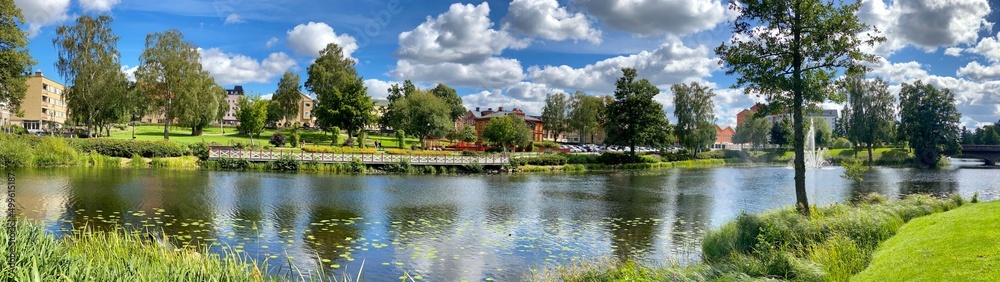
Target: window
307,105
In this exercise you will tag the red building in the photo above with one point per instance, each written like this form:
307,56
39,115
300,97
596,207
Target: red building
479,118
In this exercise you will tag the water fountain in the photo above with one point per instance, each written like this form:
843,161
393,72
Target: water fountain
814,157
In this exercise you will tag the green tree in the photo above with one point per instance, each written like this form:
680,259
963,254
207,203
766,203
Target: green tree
823,135
789,51
633,118
450,97
584,115
840,127
16,61
989,136
401,138
467,134
169,68
252,115
781,133
89,59
872,112
507,132
554,114
198,107
274,114
390,118
695,120
286,99
929,120
424,115
343,97
754,130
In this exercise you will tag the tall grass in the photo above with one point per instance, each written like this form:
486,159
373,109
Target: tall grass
121,255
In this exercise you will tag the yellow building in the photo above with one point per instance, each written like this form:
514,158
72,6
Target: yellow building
44,106
304,117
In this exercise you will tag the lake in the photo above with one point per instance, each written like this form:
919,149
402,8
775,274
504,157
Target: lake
461,227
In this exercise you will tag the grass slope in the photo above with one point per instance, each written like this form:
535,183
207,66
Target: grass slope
216,135
960,245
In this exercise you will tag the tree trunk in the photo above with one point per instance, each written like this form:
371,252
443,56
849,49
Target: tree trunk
802,201
871,159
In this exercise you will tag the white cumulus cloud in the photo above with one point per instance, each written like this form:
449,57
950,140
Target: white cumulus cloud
98,5
310,38
234,19
379,89
657,17
546,19
926,24
271,42
978,72
464,34
493,73
40,13
228,69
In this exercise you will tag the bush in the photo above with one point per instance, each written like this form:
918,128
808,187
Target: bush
841,143
473,153
473,167
612,158
547,145
52,151
278,139
403,166
295,138
356,166
126,148
14,129
199,150
580,159
494,150
418,152
233,164
337,150
286,163
14,152
543,159
853,170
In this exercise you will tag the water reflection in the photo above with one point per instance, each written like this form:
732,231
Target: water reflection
452,227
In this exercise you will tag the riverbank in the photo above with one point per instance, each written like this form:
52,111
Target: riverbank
960,245
834,244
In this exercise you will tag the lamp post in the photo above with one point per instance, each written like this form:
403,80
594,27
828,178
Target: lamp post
133,127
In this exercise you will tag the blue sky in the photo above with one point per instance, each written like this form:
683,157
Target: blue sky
512,53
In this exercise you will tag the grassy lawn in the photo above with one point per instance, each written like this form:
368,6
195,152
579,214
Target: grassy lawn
960,245
215,135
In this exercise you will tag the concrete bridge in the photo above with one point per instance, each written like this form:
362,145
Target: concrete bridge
989,153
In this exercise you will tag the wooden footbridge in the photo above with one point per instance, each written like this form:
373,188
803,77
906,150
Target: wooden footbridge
215,153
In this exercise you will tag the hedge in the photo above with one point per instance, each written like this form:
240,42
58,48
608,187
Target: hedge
124,148
418,153
544,159
337,150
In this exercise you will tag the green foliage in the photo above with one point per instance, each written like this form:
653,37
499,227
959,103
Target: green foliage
842,143
870,112
170,74
423,115
338,150
14,152
403,166
634,118
781,133
614,158
88,57
356,166
451,99
278,139
695,128
233,164
52,151
286,98
554,114
754,130
295,138
585,114
252,115
16,58
467,134
581,159
286,163
473,167
400,138
200,150
543,159
13,129
137,161
126,148
507,131
823,135
929,120
836,242
792,64
343,97
335,138
854,169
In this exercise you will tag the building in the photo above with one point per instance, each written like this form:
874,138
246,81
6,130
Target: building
830,115
44,106
724,135
574,137
479,119
380,108
5,115
774,118
232,98
304,116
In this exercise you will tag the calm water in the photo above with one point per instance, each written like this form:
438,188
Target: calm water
448,227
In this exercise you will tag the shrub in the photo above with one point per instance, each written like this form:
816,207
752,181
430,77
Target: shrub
199,150
494,150
612,158
716,154
337,150
473,153
853,170
126,148
547,145
278,139
417,152
14,152
356,166
473,167
14,129
286,163
52,151
295,138
137,161
335,138
580,159
402,166
543,159
841,143
233,164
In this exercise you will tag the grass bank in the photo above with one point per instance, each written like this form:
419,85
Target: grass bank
109,256
835,243
229,135
960,245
